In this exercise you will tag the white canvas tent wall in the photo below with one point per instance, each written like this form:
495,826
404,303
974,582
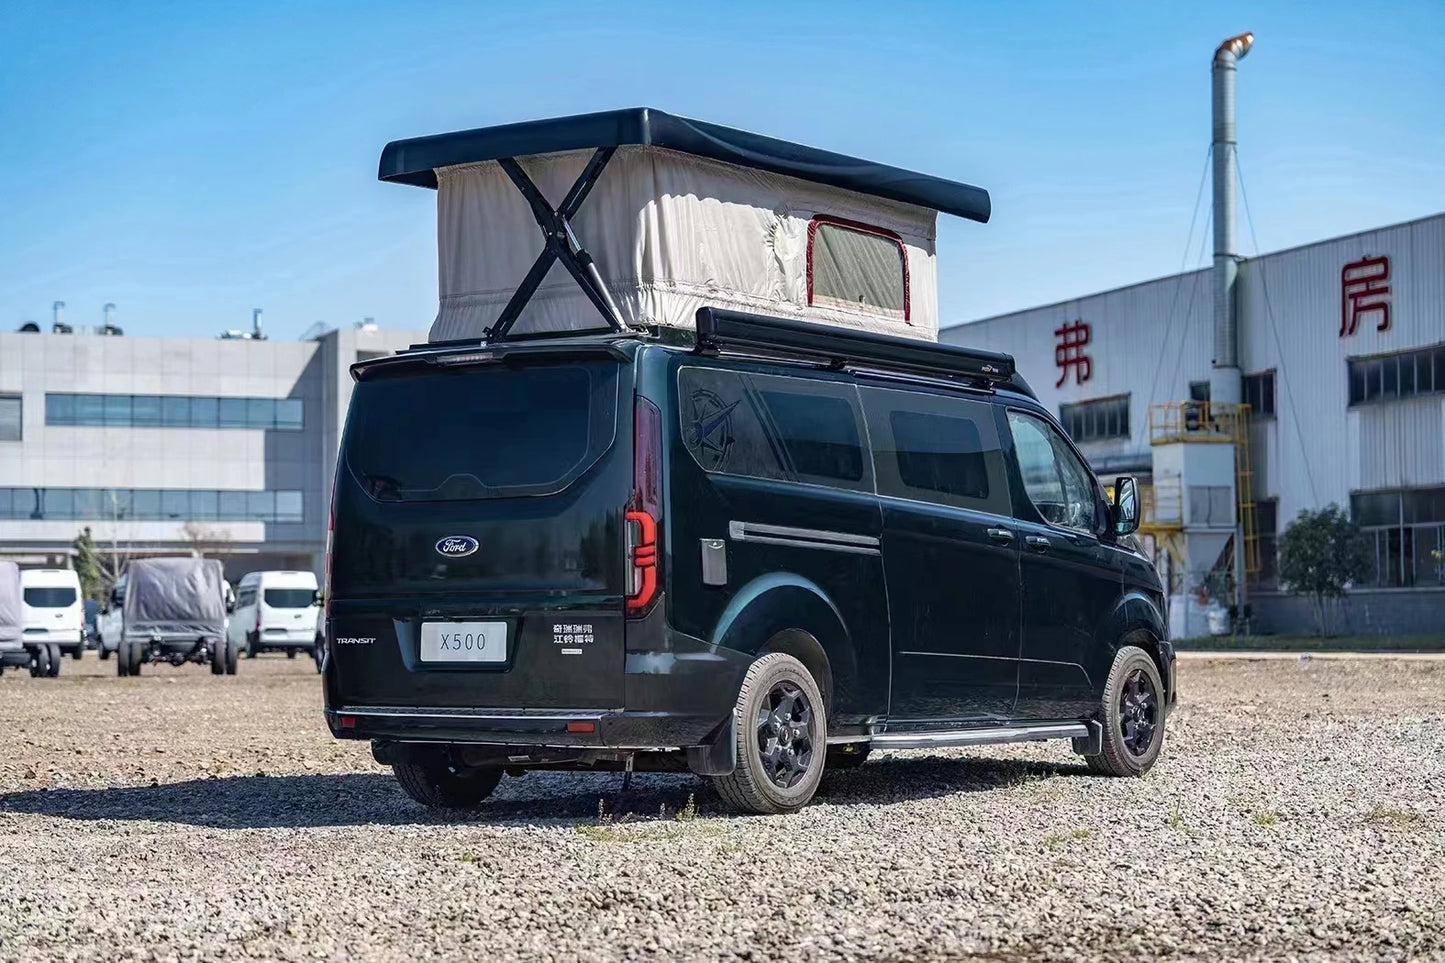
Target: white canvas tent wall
684,215
12,618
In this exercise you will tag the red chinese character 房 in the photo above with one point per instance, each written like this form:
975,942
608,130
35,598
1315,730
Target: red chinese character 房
1364,289
1069,353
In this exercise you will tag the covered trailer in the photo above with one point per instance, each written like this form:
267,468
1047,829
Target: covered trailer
14,653
174,611
646,217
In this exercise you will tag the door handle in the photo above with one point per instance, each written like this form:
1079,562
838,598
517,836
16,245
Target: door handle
1001,535
1038,543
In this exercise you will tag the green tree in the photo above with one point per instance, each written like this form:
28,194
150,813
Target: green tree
86,566
1320,554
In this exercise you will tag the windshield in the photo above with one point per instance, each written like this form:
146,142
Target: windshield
292,598
50,597
480,432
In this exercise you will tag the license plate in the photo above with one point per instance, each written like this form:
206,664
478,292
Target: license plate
464,641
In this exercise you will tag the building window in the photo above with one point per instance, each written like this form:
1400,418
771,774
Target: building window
10,410
1198,391
1406,531
1259,394
1393,377
173,411
857,267
1096,420
149,504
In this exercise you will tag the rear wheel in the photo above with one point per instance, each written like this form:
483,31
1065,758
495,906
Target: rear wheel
430,776
1133,716
290,653
101,651
318,652
122,660
231,656
77,652
40,662
253,646
218,658
781,731
55,658
137,657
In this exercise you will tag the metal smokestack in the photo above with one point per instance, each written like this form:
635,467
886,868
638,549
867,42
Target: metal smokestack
109,312
58,308
256,334
1224,381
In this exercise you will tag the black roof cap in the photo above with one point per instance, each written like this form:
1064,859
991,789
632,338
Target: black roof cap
415,161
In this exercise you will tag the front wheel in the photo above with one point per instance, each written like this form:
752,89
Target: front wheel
1133,716
231,656
218,658
432,778
781,730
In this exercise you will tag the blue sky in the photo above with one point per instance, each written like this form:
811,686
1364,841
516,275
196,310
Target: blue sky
191,161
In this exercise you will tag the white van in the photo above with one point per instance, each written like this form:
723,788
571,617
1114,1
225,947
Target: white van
274,610
53,611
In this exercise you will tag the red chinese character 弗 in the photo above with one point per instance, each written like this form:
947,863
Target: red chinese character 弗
1364,289
1069,353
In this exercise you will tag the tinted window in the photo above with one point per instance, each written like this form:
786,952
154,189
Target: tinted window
1056,482
766,426
289,598
936,448
50,597
849,267
939,454
10,419
819,435
480,432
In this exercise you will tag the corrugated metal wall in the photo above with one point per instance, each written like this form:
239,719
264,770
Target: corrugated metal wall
1317,449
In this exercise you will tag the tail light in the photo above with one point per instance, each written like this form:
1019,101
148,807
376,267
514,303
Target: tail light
643,519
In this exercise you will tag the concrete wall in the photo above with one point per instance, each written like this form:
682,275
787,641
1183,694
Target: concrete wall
1363,612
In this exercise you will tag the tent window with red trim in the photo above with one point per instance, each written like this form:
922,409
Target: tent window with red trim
857,267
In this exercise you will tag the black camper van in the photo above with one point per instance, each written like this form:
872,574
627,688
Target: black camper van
752,550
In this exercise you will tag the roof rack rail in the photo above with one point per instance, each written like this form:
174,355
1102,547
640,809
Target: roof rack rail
719,330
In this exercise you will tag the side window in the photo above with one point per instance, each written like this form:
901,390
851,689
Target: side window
768,426
246,597
1056,482
857,267
936,448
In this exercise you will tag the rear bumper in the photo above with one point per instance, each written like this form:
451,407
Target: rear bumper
69,638
673,699
609,729
295,639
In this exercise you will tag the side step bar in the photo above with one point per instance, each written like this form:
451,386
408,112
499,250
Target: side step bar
992,736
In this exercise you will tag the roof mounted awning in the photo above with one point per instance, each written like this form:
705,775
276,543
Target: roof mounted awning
416,160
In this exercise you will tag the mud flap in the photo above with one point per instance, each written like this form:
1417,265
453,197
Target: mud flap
717,757
1093,743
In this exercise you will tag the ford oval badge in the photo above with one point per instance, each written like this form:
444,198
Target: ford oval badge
457,546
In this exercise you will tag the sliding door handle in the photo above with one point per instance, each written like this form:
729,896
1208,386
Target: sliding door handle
1038,543
1001,535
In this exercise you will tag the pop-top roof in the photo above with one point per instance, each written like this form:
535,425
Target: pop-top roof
416,160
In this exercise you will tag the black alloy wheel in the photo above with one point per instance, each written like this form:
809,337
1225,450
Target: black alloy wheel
785,739
1138,712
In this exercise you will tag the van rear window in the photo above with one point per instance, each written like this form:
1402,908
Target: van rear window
50,597
480,432
289,598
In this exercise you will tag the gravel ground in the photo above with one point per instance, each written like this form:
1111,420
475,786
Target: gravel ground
1298,812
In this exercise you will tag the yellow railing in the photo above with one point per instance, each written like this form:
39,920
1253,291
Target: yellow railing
1196,421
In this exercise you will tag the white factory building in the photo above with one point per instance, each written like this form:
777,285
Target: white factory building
168,445
1341,345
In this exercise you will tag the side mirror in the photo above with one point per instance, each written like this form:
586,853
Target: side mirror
1126,505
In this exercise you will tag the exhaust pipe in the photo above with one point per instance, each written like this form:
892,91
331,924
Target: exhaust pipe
1225,383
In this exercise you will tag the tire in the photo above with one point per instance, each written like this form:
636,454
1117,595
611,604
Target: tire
78,652
101,652
253,646
55,658
218,658
780,756
1133,716
318,654
840,758
231,656
290,653
122,660
137,657
40,662
428,777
